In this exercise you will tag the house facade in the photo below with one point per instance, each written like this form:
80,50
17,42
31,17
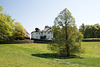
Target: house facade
44,34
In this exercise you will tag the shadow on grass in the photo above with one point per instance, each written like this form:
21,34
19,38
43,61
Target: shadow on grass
52,56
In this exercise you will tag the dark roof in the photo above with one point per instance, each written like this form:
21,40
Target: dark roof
45,29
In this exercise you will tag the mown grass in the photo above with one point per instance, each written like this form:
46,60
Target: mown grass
37,55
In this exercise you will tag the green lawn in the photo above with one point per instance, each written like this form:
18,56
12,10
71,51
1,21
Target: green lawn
37,55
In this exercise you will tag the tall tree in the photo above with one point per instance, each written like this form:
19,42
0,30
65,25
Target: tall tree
66,39
82,28
6,26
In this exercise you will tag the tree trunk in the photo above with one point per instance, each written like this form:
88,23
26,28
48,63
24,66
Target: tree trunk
68,52
67,46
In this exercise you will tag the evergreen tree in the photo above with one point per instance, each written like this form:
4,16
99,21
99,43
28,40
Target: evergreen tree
82,28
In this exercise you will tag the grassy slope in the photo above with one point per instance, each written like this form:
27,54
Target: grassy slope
36,55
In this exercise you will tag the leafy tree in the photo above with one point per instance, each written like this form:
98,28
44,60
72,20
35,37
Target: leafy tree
92,31
10,29
1,8
88,31
67,39
6,27
98,30
19,32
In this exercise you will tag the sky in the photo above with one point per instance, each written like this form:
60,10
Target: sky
39,13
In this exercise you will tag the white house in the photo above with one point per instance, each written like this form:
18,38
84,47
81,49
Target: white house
44,34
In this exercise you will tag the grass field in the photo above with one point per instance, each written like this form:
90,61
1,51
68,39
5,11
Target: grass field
37,55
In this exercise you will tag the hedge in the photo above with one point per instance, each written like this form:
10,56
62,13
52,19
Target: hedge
17,42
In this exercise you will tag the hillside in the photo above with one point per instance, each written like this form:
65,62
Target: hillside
37,55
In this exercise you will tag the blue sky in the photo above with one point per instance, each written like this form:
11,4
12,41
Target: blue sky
38,13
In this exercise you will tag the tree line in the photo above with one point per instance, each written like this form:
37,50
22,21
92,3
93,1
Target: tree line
9,29
90,31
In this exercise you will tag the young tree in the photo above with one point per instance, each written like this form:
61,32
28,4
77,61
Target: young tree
19,32
67,39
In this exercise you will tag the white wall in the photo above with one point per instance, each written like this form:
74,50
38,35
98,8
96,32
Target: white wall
49,35
37,35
